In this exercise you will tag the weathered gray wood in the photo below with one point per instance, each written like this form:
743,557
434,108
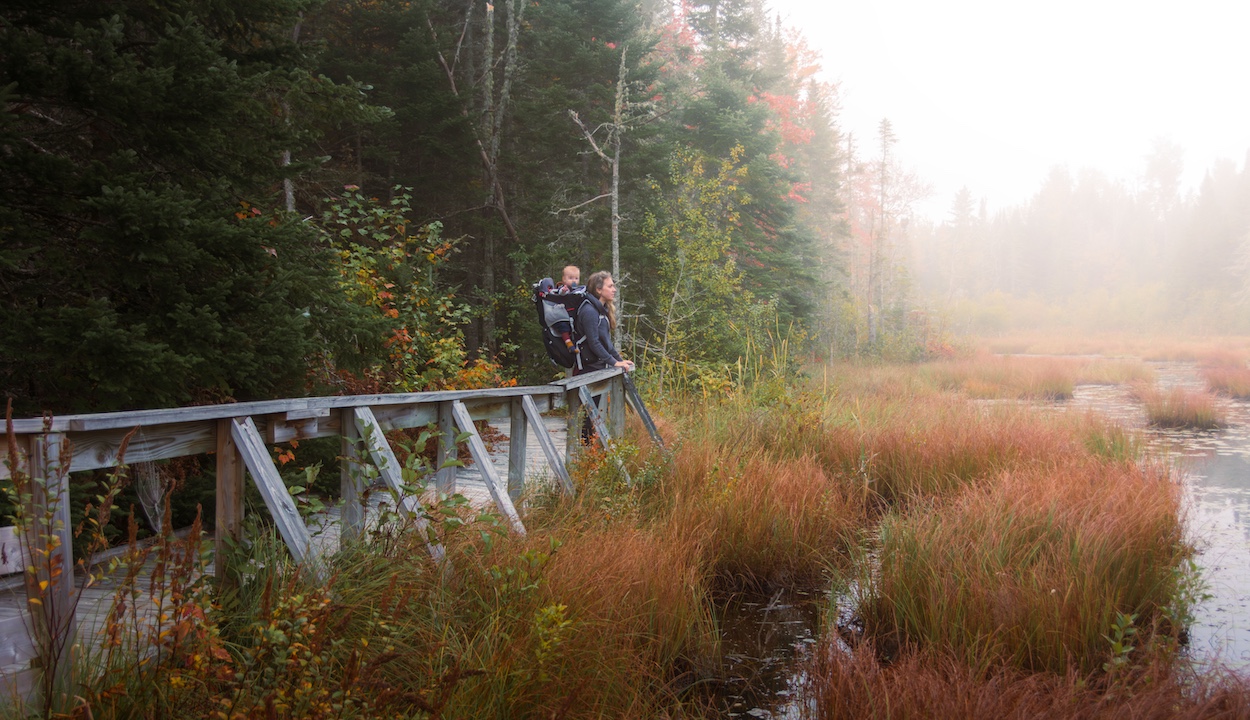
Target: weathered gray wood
53,538
445,477
230,489
601,431
281,506
351,481
549,448
616,407
517,440
477,449
307,414
165,416
390,471
635,401
573,435
280,430
589,378
402,417
93,449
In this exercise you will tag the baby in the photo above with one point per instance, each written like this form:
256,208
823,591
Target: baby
571,279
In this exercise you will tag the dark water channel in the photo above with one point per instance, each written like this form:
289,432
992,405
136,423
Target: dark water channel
1215,470
763,642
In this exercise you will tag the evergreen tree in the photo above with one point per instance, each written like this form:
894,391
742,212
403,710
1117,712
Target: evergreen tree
145,258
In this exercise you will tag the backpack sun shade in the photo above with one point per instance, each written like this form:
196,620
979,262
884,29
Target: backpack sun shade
556,313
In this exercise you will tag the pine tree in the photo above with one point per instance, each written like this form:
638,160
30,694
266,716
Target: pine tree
146,260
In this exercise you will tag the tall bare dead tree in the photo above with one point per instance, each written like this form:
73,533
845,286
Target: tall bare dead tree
488,125
615,130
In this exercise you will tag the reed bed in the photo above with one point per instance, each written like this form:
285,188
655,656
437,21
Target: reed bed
986,376
851,686
1030,571
1180,408
1144,346
765,521
1006,539
1231,381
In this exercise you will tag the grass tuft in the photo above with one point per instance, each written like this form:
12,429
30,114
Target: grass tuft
1231,381
1180,408
1031,570
858,685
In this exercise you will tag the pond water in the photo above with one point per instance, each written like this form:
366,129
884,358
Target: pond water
763,640
1215,470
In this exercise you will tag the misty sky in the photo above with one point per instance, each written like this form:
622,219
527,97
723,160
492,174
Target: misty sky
991,94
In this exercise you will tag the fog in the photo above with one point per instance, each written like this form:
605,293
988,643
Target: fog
991,95
1086,162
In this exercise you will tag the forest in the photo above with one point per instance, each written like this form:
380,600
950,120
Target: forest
210,200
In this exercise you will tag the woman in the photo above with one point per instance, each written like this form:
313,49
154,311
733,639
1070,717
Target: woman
596,319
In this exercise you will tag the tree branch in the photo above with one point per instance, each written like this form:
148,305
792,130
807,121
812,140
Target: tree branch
582,204
589,136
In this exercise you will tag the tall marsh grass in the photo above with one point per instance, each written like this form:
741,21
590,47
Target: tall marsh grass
1180,408
1031,569
857,685
1231,381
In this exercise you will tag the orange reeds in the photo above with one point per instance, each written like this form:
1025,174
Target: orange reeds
1049,378
858,685
1231,381
1032,568
1180,408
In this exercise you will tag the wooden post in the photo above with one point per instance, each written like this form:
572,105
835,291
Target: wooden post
389,469
57,625
549,447
351,480
616,406
601,430
573,440
477,449
445,477
277,499
230,487
517,440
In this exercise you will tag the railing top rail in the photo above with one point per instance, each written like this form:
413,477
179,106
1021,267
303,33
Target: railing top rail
589,378
163,416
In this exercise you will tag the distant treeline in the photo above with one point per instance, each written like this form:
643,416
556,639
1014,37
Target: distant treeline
1100,253
207,200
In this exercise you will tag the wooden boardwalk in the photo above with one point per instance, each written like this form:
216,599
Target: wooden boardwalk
499,473
17,651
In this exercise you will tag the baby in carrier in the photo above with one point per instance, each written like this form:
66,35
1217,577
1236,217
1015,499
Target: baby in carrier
557,305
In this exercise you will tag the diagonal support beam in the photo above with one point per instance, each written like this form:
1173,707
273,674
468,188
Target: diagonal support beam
291,526
477,449
601,429
389,469
548,446
635,401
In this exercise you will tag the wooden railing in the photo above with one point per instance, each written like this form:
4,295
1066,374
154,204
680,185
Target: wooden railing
239,435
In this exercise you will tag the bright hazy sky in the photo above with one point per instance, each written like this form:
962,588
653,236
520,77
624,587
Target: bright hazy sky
992,93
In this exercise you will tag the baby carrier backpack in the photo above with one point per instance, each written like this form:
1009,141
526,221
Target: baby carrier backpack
557,312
